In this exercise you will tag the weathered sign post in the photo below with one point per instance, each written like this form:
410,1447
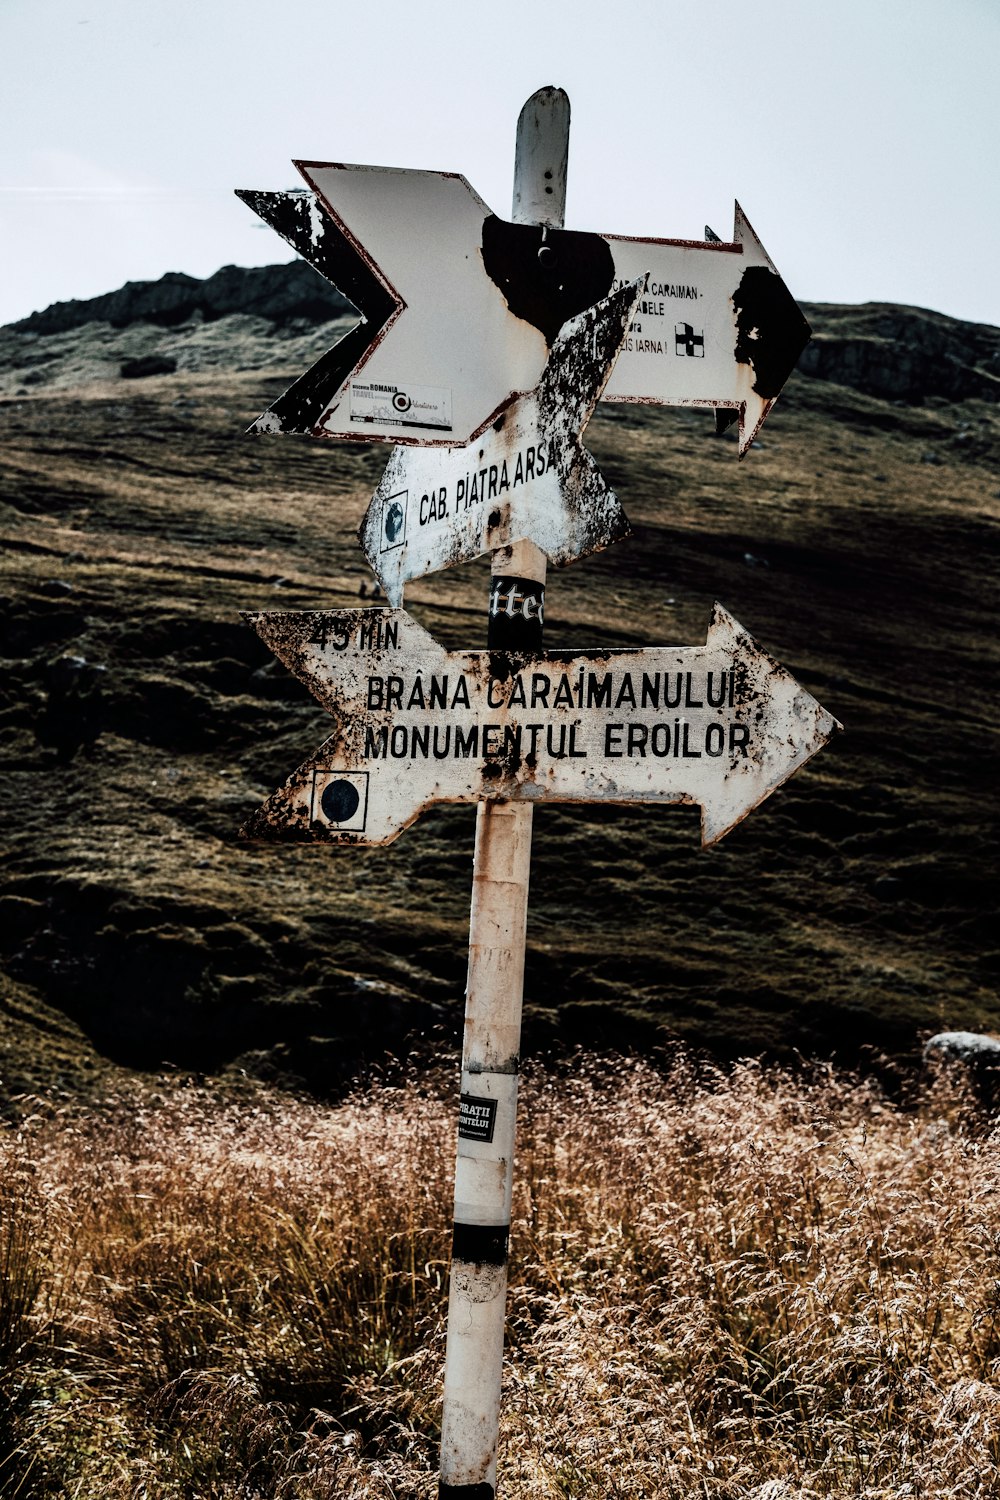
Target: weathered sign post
461,307
482,350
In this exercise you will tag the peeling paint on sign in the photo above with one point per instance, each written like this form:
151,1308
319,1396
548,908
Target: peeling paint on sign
771,333
546,275
300,219
460,301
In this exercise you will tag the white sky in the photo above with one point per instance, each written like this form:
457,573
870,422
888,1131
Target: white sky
860,136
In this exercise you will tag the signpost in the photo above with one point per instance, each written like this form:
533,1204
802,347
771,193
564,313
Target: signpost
461,308
488,343
721,725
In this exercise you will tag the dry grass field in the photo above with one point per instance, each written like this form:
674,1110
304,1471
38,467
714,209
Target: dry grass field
752,1286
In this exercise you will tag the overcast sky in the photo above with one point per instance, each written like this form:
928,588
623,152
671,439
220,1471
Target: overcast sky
860,136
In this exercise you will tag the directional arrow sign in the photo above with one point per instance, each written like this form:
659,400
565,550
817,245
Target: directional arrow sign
462,308
526,476
681,349
722,725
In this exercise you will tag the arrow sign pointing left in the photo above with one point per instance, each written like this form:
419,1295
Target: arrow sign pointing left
721,725
528,475
462,307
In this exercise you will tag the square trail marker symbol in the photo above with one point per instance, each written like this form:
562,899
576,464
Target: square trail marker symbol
340,800
394,521
689,341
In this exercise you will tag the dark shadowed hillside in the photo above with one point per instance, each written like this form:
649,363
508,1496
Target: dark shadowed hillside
140,720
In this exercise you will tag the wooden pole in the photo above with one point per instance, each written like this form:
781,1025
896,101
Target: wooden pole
497,924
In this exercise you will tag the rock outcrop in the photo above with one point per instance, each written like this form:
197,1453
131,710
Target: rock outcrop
279,293
976,1054
902,353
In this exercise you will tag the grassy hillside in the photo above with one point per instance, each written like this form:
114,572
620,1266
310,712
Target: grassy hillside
141,721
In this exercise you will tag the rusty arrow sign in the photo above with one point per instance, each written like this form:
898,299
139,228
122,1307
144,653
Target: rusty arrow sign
527,475
461,308
722,725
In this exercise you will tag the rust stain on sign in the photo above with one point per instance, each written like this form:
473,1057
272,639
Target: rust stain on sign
721,725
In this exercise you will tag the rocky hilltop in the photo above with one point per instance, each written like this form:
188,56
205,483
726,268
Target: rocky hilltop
903,353
277,293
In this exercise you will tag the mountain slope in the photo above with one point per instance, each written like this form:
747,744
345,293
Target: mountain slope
140,721
272,316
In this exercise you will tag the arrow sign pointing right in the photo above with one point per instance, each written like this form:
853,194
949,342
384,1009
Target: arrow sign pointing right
722,725
465,307
715,325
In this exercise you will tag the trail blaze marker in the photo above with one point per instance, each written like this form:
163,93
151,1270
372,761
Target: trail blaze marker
722,725
461,308
493,341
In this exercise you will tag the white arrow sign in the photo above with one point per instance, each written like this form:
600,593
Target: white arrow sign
527,476
714,326
463,307
721,725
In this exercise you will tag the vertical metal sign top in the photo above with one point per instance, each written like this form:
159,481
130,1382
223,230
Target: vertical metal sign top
497,925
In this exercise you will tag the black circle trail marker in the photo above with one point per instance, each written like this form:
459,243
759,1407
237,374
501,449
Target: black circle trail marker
340,800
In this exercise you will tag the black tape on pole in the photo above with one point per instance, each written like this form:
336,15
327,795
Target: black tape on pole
481,1244
517,614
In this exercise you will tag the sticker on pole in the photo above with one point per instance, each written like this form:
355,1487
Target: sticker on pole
477,1118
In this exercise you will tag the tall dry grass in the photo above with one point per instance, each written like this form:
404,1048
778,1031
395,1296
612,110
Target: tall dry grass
753,1285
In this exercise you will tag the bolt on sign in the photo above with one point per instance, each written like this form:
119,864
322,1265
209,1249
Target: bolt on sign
721,725
526,476
460,308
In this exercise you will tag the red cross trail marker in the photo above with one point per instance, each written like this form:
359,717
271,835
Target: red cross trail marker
461,308
722,725
526,476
